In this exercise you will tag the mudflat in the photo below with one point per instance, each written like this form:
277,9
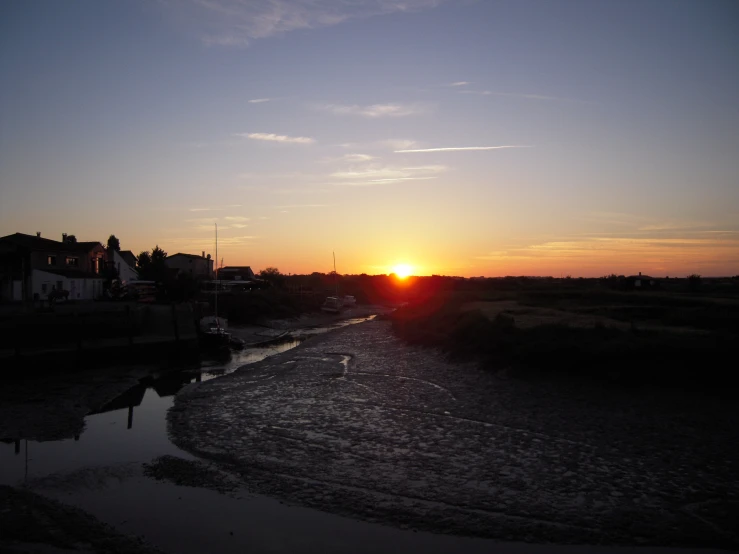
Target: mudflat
357,423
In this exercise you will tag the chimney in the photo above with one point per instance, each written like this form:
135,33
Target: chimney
64,237
640,274
203,254
38,234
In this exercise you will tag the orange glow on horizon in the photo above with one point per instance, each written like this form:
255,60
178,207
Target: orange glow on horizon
402,270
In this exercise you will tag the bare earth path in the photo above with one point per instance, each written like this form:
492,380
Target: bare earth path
359,424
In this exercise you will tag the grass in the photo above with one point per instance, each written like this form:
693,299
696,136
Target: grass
630,354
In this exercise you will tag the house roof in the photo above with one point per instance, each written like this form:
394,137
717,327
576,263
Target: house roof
33,242
236,268
196,256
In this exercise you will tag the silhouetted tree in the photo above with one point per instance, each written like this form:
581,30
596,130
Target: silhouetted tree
152,265
71,239
694,282
143,263
158,256
272,275
114,243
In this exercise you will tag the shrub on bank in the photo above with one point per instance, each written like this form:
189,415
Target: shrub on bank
632,355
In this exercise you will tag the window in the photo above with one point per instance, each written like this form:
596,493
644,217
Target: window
73,262
43,288
50,260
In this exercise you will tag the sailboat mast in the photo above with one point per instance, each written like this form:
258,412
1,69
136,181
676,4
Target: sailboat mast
336,276
216,260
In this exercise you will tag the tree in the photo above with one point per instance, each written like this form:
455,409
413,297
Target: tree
272,275
71,239
158,256
143,263
152,265
114,243
694,282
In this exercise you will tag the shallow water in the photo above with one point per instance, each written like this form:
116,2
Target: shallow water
133,427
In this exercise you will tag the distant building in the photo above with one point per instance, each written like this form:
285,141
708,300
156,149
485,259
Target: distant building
200,267
236,273
31,266
640,282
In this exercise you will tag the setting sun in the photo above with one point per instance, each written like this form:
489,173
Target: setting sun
402,270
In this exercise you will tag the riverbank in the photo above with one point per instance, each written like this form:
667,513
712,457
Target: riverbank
359,424
32,523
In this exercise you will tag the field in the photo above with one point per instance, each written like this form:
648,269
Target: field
631,336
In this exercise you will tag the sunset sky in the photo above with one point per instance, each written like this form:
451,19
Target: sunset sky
459,137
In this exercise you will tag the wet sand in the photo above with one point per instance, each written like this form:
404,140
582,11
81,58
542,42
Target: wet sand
358,424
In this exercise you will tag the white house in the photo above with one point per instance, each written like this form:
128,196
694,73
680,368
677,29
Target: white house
80,287
125,272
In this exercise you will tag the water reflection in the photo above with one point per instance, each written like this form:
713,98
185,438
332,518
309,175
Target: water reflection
132,427
129,428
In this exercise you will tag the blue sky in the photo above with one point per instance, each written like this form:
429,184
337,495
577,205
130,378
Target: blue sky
286,121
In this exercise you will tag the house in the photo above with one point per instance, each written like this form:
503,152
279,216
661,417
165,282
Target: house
124,269
200,267
236,273
640,282
129,258
31,266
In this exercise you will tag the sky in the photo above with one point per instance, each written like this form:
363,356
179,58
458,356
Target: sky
460,137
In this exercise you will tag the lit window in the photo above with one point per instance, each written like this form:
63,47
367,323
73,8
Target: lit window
50,260
73,262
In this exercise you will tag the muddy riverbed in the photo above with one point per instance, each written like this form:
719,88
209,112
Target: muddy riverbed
353,441
360,424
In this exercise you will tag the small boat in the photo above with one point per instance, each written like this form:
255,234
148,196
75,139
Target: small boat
332,304
213,332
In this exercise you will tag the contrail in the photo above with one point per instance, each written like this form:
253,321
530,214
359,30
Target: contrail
454,149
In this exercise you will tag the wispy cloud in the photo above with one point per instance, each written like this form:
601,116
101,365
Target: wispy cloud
259,100
460,84
350,158
386,144
539,97
238,22
480,92
357,157
276,138
303,206
236,218
214,208
457,149
206,242
372,175
374,111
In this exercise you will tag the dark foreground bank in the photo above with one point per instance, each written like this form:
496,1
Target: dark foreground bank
32,523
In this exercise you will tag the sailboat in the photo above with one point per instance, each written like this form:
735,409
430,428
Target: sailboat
333,304
212,328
